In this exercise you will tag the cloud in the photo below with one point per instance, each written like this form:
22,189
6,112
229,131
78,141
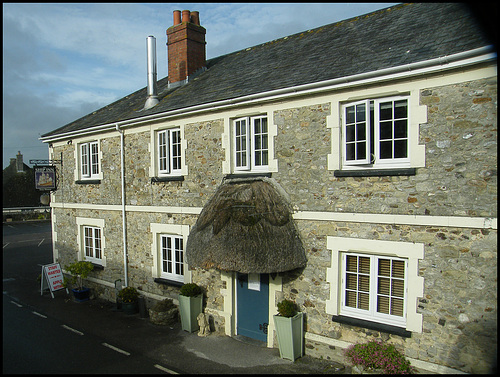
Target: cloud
64,60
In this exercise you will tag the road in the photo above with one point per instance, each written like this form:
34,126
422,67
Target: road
36,343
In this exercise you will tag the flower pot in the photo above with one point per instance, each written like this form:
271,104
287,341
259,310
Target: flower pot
290,333
81,295
189,308
129,308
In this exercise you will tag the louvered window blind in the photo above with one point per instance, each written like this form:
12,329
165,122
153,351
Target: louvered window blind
374,288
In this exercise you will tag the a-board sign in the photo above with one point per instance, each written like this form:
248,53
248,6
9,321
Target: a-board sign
52,278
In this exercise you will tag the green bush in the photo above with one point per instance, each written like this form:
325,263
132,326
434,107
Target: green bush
191,290
128,294
79,270
287,308
375,355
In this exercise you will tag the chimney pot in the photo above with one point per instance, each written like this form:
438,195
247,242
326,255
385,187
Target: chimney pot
186,15
195,17
177,17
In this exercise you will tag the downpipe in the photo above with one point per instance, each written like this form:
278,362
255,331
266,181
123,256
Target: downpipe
124,223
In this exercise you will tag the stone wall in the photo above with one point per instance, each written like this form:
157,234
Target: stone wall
460,179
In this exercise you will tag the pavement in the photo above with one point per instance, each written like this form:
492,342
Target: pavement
174,349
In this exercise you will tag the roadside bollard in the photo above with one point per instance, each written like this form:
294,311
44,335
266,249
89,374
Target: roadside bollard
118,287
143,313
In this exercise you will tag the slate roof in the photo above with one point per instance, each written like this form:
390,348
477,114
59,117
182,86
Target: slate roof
395,36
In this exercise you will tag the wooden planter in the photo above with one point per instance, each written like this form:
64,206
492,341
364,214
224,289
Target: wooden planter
290,332
189,308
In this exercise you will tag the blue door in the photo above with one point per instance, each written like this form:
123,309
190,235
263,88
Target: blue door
252,296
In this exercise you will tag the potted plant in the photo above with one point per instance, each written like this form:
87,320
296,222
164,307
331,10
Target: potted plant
163,312
79,270
190,305
129,297
290,330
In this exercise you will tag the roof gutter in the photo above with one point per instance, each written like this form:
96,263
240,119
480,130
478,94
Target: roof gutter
462,59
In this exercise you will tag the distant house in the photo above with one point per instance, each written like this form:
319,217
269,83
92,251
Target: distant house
19,185
351,168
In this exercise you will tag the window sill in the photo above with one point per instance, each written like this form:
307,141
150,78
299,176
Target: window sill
247,175
174,178
168,282
375,172
88,182
372,325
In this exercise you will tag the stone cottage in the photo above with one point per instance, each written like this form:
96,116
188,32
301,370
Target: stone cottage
351,168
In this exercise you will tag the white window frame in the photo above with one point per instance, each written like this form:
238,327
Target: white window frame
159,231
92,241
410,251
372,314
172,257
372,152
244,140
89,157
169,152
96,226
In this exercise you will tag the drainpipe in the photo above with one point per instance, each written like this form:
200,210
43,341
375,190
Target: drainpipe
124,223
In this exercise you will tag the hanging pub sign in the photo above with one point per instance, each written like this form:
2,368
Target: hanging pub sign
45,178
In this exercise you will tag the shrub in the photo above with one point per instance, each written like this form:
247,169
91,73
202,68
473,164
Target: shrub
287,308
376,355
128,294
164,305
79,270
191,290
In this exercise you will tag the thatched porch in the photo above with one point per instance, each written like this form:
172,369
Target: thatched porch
246,226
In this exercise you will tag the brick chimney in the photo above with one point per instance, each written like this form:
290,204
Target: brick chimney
186,47
19,162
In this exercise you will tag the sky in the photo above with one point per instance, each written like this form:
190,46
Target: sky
62,61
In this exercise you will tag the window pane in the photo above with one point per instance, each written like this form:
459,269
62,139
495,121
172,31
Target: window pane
352,263
361,131
397,307
397,288
264,125
386,149
384,267
398,269
350,152
349,133
386,110
385,130
400,129
400,109
361,149
363,301
400,148
364,283
383,304
384,286
364,265
350,299
351,281
349,115
360,113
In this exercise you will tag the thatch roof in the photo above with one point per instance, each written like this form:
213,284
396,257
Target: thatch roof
247,227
